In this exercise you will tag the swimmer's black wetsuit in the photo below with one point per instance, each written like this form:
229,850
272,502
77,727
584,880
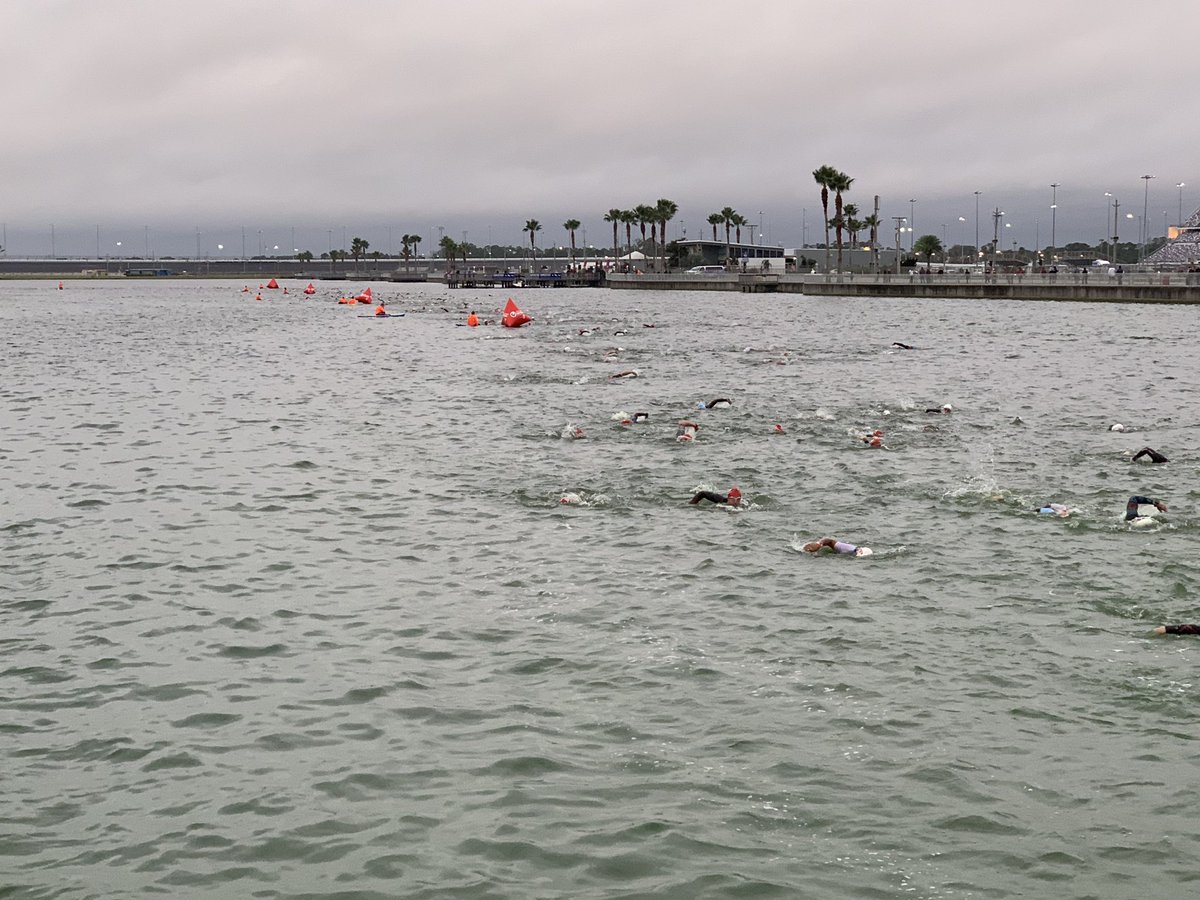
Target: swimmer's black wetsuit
1183,629
712,404
711,497
1131,508
1155,456
901,346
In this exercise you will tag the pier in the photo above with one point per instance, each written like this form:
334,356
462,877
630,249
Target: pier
507,280
1083,287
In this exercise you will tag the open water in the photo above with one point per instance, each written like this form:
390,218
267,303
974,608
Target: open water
289,607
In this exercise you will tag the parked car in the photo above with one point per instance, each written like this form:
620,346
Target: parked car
705,270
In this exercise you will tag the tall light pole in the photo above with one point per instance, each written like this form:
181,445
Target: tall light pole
1116,224
899,220
912,221
1053,219
1145,215
977,193
996,217
959,232
1181,186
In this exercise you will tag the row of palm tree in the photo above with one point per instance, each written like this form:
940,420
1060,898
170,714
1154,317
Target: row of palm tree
731,219
656,216
845,216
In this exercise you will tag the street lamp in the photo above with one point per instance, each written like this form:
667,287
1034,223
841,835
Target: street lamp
961,255
1145,215
996,217
1053,218
899,220
1181,186
977,253
912,220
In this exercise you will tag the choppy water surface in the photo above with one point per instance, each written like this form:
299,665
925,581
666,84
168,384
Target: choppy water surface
290,609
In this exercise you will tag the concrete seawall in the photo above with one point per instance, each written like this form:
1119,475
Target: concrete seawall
1181,288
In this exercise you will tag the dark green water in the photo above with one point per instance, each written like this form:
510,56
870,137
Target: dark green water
289,607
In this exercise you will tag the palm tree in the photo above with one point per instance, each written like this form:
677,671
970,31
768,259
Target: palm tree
928,244
738,221
571,225
628,216
824,177
872,222
645,216
405,249
714,220
614,216
839,185
666,210
449,249
852,222
358,249
728,214
533,226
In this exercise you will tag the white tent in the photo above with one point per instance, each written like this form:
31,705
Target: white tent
634,256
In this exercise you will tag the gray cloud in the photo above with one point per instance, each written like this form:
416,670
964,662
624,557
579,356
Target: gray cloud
478,115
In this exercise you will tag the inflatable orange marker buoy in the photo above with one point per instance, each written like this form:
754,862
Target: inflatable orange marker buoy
60,287
513,317
273,284
310,290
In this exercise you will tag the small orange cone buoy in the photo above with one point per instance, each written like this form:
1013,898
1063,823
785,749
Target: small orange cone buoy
60,287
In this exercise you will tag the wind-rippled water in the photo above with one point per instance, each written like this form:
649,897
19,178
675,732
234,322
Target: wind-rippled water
290,608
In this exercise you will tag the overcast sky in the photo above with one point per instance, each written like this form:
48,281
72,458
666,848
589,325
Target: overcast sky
154,118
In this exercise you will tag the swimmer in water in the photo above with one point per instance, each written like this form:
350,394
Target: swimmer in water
733,498
1054,509
687,430
874,439
947,408
1131,507
1153,455
901,346
1177,629
719,403
630,373
836,546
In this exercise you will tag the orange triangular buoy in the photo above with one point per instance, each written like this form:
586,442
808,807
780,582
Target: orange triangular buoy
273,284
513,317
310,290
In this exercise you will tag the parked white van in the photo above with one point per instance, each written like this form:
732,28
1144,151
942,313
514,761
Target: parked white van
705,270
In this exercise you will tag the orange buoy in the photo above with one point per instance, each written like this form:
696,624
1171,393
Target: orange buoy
513,316
273,284
60,287
310,290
